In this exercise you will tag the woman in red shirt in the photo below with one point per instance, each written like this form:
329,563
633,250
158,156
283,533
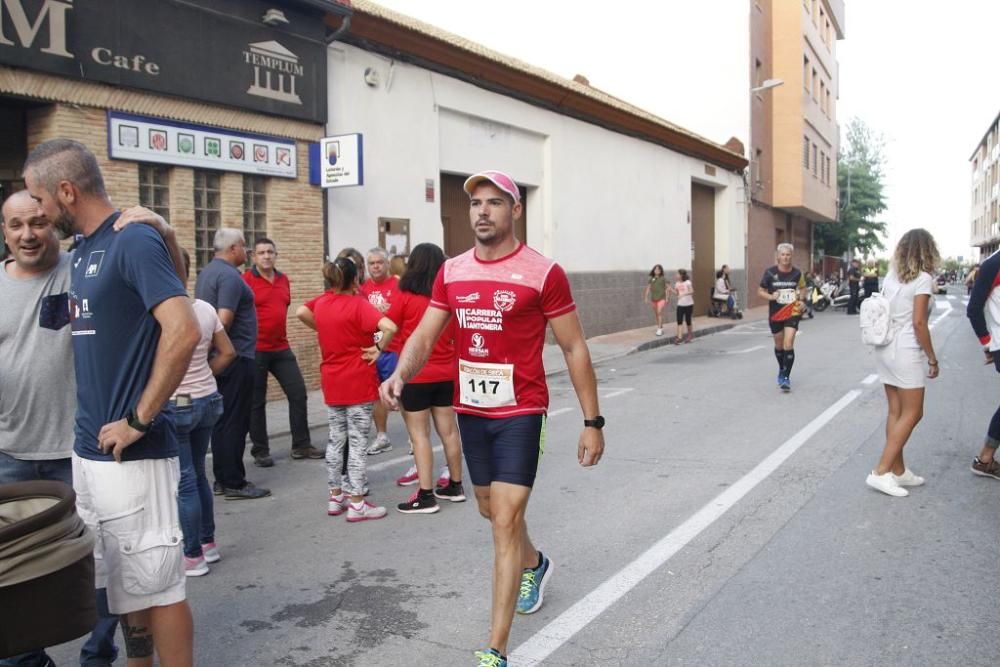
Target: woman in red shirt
429,394
345,323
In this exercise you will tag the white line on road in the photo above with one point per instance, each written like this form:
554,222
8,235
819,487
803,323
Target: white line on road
544,642
947,310
560,411
618,393
870,379
749,349
396,461
952,297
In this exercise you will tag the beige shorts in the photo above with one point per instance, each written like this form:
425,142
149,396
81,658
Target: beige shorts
132,509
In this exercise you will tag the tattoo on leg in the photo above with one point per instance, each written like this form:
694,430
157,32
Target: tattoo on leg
138,640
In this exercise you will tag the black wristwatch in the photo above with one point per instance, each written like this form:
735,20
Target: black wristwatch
597,422
133,421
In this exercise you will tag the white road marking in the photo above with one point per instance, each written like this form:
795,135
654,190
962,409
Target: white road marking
870,379
557,632
618,393
560,411
749,349
947,310
382,465
952,297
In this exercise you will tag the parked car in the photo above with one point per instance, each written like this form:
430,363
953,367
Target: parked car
942,284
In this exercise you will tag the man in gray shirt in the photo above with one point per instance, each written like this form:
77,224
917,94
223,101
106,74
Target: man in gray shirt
221,285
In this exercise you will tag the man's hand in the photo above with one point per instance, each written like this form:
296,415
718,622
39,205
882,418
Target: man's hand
145,216
591,447
370,354
115,437
390,391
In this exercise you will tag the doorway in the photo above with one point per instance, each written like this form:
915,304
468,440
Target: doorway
702,245
458,236
13,150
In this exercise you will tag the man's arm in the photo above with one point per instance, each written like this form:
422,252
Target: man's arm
178,338
163,228
414,355
569,335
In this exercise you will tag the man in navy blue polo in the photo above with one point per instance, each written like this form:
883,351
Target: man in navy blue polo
133,335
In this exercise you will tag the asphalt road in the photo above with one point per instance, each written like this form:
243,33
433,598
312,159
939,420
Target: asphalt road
728,524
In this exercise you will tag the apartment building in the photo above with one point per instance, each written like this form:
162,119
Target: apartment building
984,219
794,135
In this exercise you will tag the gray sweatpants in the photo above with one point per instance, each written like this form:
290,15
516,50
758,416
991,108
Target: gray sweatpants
348,422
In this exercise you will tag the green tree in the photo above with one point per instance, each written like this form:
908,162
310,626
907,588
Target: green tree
860,184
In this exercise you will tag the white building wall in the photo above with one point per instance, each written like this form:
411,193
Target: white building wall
597,200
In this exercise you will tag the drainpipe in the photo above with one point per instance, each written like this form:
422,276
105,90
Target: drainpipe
330,39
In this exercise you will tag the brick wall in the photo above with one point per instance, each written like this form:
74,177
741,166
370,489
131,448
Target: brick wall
294,211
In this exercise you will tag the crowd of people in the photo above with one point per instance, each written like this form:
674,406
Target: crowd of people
454,343
160,377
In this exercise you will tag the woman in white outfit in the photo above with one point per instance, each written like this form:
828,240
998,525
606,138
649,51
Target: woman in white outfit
905,364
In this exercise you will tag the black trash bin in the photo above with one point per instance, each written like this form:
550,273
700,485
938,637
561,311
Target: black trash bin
46,568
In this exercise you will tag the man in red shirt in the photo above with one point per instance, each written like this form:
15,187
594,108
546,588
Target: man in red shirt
272,294
503,294
379,289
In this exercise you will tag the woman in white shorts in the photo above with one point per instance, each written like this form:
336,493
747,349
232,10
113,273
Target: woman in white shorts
905,363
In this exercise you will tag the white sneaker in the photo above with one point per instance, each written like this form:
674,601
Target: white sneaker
444,478
365,512
337,504
659,332
210,550
380,445
886,484
195,567
908,478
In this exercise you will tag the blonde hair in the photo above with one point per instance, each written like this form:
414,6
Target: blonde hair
916,252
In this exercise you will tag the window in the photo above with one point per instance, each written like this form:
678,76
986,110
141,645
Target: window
815,83
805,152
822,167
822,96
254,209
154,189
829,170
757,69
829,109
815,158
207,215
806,81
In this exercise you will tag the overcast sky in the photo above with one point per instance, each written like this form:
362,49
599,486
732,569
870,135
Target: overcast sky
924,78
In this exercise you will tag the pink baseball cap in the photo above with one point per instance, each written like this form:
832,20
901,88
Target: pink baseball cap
497,178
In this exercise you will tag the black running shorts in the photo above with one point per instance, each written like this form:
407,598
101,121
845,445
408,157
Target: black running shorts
502,450
778,327
425,395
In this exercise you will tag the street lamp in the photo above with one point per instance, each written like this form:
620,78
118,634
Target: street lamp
768,83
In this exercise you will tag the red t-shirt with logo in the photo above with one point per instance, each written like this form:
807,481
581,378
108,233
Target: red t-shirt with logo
501,308
406,311
345,324
381,293
272,301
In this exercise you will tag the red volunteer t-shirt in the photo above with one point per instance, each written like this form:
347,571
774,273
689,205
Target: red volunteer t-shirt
406,311
272,301
345,324
501,308
382,293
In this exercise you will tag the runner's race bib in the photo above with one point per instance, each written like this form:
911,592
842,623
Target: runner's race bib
484,385
786,296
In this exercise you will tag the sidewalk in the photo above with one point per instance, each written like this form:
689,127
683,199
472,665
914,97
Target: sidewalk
602,348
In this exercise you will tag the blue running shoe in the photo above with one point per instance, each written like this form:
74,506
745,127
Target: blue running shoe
780,378
490,658
785,384
533,586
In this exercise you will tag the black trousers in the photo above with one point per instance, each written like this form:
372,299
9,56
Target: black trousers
852,302
285,368
229,437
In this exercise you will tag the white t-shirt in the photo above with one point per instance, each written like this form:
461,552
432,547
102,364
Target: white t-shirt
901,296
721,293
684,292
199,381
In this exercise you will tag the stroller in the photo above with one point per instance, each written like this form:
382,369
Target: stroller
727,307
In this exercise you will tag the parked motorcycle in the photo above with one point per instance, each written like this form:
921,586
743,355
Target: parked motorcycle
818,299
837,292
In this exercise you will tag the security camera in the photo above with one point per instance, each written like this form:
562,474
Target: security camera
274,18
